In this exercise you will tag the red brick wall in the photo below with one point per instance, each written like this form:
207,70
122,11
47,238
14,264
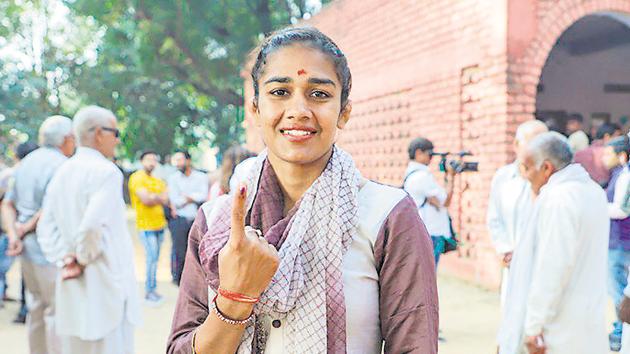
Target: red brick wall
462,73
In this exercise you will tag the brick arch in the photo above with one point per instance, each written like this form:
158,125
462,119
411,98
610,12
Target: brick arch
551,26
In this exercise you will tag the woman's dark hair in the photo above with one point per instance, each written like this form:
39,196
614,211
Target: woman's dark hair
308,36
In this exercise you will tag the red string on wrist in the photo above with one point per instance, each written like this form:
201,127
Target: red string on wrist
238,297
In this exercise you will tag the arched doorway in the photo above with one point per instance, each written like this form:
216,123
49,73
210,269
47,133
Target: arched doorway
587,74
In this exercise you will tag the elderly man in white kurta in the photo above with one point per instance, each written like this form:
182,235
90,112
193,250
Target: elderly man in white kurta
566,304
509,210
83,230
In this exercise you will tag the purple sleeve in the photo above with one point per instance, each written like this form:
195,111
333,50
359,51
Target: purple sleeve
191,309
408,290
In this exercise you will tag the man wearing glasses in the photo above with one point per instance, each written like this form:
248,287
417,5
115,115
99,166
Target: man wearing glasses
83,230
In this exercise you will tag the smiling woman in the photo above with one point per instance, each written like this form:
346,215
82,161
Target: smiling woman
306,256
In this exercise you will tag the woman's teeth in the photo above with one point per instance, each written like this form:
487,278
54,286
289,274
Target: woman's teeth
297,132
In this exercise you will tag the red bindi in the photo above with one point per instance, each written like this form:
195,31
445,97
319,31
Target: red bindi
301,72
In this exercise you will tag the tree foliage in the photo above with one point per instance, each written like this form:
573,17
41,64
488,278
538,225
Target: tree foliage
169,69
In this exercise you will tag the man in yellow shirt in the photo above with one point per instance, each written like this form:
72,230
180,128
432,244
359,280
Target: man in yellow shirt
148,197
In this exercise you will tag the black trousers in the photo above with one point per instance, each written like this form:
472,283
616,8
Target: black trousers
179,227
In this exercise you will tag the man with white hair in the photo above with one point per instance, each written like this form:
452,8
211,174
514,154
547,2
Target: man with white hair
20,215
510,196
509,209
83,229
566,306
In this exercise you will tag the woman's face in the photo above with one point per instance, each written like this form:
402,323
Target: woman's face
299,105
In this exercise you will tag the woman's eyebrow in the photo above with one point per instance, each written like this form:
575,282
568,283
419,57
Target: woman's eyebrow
279,79
318,81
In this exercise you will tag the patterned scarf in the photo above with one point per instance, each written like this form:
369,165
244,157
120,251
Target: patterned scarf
307,290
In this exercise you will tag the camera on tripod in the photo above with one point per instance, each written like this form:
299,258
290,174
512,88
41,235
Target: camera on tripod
458,165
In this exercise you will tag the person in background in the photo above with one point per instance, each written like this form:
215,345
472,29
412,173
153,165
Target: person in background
554,125
5,260
509,209
432,200
187,190
578,141
6,181
166,168
232,157
148,196
213,178
591,157
616,153
566,306
575,127
21,210
83,230
510,195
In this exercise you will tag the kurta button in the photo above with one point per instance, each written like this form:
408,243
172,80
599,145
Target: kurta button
276,323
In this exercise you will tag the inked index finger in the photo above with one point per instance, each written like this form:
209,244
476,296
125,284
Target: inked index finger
238,214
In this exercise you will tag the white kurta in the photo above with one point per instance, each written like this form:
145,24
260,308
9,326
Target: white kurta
511,331
567,297
510,201
84,214
509,207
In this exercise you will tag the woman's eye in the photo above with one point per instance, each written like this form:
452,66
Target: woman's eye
320,94
279,92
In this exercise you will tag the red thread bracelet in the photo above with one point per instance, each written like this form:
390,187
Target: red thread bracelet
238,297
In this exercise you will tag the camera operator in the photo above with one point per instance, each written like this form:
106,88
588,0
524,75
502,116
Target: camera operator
431,198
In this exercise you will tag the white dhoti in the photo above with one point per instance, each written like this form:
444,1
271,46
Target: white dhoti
118,341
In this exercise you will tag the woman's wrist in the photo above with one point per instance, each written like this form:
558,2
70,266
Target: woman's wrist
233,309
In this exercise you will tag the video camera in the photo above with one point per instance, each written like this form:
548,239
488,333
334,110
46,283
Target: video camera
458,165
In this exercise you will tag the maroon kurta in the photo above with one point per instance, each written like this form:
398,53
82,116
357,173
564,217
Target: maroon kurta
407,286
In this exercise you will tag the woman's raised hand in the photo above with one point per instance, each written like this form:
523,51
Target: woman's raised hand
247,262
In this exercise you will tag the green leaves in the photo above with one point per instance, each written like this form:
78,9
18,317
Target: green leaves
169,69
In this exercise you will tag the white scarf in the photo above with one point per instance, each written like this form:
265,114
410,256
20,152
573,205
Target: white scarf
307,290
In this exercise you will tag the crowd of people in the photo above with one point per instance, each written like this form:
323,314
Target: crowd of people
292,250
558,218
64,215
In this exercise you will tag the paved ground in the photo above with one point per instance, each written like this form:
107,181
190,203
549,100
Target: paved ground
469,315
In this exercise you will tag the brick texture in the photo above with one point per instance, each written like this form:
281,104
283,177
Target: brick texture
462,73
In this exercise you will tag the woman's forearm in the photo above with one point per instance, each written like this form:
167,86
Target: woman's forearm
216,336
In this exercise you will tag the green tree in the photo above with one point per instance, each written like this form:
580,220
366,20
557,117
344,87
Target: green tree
169,69
37,54
173,65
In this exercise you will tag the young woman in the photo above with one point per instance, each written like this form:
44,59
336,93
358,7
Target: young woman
306,256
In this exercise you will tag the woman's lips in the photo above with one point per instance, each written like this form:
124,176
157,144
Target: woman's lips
297,135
